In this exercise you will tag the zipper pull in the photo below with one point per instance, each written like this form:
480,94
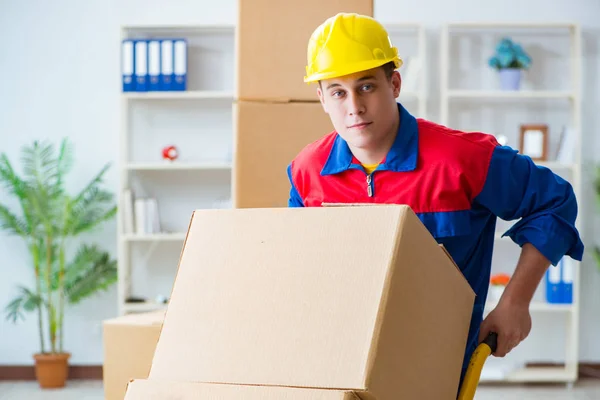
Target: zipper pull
369,187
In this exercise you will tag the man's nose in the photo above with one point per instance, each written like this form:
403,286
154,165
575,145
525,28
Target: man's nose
355,105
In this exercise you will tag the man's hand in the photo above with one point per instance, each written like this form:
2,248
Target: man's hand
512,323
511,319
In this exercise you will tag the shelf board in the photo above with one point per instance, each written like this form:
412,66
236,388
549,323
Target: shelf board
181,95
167,29
511,25
178,166
156,237
535,374
538,306
510,94
144,306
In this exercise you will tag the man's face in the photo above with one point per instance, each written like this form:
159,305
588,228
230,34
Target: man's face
362,106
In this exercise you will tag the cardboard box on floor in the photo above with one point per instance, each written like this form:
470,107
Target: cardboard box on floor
129,344
311,303
268,137
272,39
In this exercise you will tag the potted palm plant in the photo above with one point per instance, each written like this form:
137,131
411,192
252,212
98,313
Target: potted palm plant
49,219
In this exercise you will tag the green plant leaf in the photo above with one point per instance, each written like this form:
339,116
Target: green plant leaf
91,207
91,270
26,301
12,223
65,161
19,188
597,256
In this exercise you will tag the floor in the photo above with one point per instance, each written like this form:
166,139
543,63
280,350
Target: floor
92,390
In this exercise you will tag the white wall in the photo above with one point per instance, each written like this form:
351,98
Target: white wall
59,75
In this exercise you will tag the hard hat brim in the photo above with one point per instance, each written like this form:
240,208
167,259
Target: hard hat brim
351,69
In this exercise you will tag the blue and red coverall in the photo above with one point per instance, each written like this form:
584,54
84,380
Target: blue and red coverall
458,183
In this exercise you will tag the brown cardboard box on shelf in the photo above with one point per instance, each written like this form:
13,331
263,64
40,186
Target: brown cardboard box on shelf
332,299
268,137
272,39
129,344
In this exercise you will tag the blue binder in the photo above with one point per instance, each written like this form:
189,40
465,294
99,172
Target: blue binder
559,283
141,65
154,65
180,64
166,64
127,63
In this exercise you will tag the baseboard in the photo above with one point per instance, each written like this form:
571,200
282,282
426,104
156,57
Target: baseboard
586,370
94,372
27,372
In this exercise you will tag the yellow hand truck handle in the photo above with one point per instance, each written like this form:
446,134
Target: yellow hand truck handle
473,373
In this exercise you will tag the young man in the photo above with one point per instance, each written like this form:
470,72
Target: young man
458,183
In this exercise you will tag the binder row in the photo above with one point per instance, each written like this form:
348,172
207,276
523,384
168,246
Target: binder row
154,65
559,283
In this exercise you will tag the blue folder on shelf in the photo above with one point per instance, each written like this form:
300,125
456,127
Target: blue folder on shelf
127,65
180,64
141,65
559,283
154,65
166,65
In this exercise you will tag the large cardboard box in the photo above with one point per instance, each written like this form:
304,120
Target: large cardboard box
268,136
342,299
129,344
272,39
162,390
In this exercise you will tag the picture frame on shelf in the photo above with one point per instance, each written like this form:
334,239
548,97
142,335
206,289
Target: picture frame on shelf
533,141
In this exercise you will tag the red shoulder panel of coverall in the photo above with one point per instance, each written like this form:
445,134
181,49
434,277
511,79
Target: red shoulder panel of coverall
451,170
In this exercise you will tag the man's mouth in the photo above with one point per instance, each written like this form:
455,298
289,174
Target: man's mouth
360,125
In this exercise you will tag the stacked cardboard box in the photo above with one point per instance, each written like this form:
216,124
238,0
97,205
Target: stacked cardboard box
323,303
276,113
129,344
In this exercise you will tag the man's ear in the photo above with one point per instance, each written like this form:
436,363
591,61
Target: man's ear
396,81
321,97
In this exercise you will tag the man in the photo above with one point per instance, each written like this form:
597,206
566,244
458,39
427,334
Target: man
458,183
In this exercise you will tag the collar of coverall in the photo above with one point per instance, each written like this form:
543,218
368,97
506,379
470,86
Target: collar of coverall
402,156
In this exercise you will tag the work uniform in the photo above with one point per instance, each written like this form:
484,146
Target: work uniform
457,183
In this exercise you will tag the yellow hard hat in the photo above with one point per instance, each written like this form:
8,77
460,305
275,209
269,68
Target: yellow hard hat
347,43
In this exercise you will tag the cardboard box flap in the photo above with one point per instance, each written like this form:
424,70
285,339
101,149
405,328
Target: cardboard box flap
143,389
326,204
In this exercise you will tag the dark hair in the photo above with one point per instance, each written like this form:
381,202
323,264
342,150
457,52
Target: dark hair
388,69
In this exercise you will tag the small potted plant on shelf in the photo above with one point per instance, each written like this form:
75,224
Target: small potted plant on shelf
498,283
510,60
49,220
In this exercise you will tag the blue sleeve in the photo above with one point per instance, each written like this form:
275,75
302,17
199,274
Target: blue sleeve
516,188
295,200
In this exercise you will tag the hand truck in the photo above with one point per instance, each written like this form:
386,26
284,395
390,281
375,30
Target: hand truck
478,358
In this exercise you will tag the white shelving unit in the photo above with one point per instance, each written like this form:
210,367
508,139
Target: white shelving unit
411,42
199,122
470,82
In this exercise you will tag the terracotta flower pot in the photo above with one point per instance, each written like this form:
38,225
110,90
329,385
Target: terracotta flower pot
51,370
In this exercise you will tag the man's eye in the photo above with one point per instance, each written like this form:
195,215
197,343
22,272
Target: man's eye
367,87
337,93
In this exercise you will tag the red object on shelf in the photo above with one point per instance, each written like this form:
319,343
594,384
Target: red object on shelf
170,153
